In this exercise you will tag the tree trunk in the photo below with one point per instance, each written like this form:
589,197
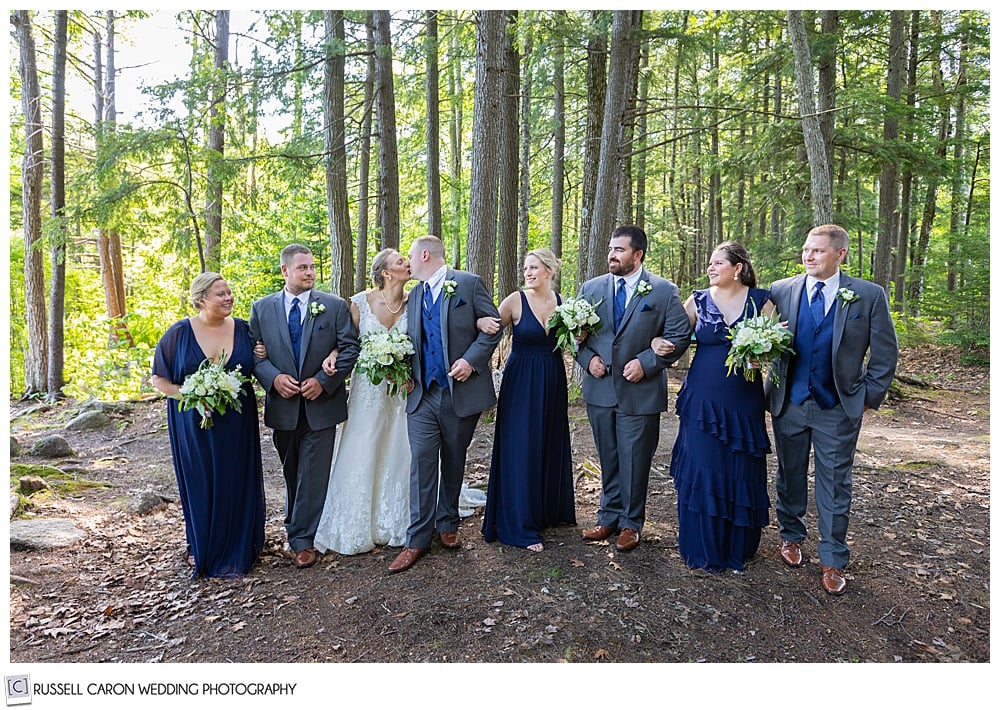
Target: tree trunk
507,222
640,147
36,357
826,71
624,210
905,222
216,145
958,187
455,91
558,137
524,202
388,155
364,158
615,104
888,198
57,288
435,225
819,169
482,234
337,212
593,252
109,242
919,261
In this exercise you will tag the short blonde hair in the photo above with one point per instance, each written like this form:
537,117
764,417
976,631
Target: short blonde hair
199,287
548,258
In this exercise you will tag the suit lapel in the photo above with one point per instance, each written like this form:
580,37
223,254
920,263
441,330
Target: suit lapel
794,299
633,302
445,306
840,316
307,327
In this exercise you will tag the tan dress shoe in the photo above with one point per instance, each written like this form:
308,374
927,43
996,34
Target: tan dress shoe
450,540
599,532
791,553
406,559
305,558
833,580
628,540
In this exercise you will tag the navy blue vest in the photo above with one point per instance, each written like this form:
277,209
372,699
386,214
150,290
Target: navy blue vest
431,342
812,366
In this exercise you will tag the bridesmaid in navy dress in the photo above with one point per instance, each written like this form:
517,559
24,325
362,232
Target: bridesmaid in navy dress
219,472
531,479
719,462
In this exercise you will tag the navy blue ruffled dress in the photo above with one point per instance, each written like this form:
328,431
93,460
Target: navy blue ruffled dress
719,461
531,476
219,473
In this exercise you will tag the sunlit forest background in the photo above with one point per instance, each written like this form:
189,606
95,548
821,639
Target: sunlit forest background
500,131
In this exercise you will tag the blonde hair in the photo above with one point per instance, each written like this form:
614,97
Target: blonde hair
548,258
380,262
199,287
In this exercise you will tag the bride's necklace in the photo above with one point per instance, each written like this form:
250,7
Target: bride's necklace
388,307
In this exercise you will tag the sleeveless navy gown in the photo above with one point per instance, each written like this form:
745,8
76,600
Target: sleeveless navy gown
531,477
719,458
219,472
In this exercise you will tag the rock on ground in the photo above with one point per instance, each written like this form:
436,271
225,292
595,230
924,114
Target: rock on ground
52,447
44,534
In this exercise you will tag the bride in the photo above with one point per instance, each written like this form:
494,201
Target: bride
368,499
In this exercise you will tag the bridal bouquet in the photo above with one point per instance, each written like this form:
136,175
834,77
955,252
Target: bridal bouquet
211,389
755,342
385,356
571,319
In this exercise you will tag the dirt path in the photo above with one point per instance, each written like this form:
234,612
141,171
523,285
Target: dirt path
919,577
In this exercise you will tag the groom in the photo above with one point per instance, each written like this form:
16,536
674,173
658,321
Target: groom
625,382
845,358
300,326
452,387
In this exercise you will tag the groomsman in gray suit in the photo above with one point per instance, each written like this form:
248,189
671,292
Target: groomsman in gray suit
845,358
300,326
625,382
453,385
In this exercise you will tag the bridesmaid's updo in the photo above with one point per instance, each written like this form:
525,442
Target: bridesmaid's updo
548,258
736,253
200,285
381,263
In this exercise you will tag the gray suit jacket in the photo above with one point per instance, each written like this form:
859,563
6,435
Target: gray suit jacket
320,334
865,349
462,339
658,313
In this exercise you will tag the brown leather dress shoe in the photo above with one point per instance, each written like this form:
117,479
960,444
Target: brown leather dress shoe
450,540
833,580
406,559
599,532
305,558
791,553
628,540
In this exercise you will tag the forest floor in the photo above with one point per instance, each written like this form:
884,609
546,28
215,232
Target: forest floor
919,578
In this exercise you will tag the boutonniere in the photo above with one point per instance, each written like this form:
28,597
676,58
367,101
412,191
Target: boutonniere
643,288
315,308
449,288
846,296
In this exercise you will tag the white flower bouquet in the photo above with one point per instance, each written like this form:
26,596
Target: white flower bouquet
571,319
385,356
756,341
211,389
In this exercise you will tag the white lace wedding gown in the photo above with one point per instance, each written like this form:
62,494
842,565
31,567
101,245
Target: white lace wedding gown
368,499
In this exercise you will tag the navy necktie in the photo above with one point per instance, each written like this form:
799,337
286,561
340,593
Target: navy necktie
619,303
428,297
816,306
295,328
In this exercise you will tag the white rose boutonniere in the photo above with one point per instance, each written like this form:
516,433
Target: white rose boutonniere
449,288
643,288
846,296
315,308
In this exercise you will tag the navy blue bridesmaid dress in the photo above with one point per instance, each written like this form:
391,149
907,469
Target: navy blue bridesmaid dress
719,462
531,478
219,471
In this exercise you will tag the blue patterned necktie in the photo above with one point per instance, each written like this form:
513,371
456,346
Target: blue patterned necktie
295,328
816,306
619,303
428,297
